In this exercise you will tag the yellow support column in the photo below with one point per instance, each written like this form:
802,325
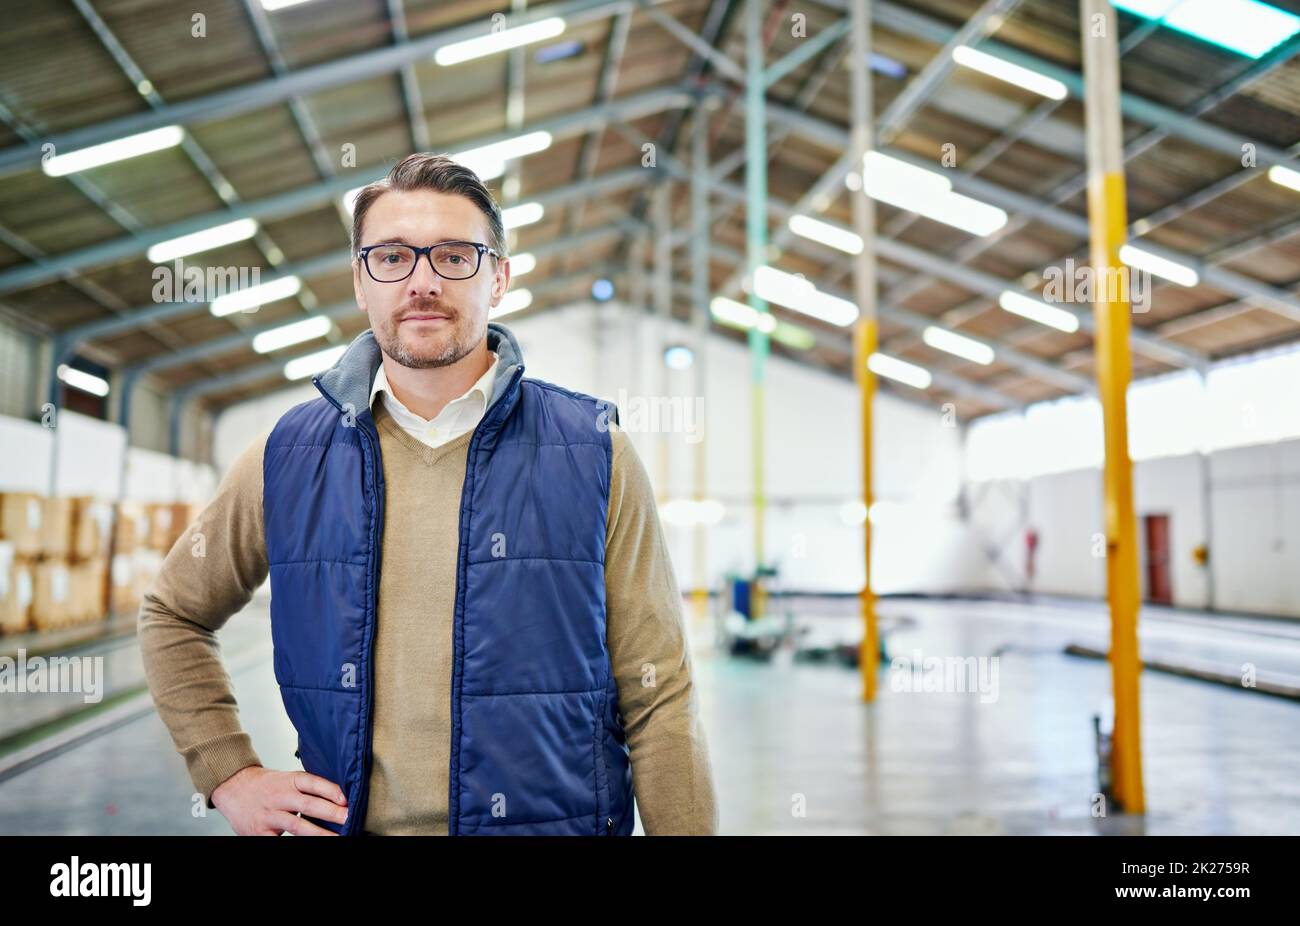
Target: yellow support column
865,334
864,345
1108,222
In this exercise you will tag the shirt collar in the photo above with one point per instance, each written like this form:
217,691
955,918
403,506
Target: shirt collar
484,385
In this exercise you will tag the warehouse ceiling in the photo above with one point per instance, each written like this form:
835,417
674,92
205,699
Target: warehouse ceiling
285,110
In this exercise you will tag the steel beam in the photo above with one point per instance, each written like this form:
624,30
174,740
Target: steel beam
287,203
351,69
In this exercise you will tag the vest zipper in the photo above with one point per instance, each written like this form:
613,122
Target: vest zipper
356,813
609,826
364,791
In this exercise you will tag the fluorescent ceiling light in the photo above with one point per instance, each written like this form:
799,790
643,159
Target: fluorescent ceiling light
829,308
86,382
485,168
318,362
523,214
111,151
512,301
793,336
801,295
557,52
899,370
483,45
887,66
969,215
926,193
1170,270
1247,27
1010,73
274,5
957,344
1285,176
890,170
678,357
293,333
349,199
827,234
489,161
215,237
521,264
259,295
740,315
1037,311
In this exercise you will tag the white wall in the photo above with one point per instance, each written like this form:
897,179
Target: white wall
25,448
1255,508
1253,535
237,426
87,455
811,469
811,465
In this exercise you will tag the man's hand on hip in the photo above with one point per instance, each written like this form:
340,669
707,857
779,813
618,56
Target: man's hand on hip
258,801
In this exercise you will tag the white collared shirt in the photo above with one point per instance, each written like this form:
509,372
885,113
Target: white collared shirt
458,416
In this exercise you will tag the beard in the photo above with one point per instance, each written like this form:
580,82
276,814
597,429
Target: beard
443,348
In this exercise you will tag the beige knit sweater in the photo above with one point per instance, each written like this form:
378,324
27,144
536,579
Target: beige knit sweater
193,597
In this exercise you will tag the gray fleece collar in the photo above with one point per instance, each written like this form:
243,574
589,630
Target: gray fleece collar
352,375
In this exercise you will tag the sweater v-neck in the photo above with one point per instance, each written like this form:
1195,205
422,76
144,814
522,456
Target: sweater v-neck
428,455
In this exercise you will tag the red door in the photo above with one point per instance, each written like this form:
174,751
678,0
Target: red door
1159,581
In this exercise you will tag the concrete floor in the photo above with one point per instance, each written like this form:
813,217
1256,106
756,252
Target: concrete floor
795,751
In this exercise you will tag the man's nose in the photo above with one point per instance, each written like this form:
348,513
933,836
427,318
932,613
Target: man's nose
424,281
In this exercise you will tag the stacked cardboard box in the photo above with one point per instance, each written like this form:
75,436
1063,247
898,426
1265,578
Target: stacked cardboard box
122,590
16,590
52,606
56,528
144,536
92,524
70,578
53,561
90,590
20,522
161,533
130,535
55,567
21,518
130,527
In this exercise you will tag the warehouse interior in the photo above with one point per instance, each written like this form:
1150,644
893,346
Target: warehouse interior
960,340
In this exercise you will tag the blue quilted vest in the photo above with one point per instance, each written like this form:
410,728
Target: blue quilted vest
537,743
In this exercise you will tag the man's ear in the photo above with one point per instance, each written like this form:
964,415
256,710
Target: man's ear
356,286
501,281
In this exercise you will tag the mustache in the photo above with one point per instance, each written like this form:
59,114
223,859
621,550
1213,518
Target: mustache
425,307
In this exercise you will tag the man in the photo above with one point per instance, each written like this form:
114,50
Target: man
477,628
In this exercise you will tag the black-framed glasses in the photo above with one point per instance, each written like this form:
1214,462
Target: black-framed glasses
452,260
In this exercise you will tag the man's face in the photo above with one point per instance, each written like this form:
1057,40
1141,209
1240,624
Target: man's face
426,320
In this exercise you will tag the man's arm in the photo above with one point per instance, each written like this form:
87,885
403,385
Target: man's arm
651,661
192,597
